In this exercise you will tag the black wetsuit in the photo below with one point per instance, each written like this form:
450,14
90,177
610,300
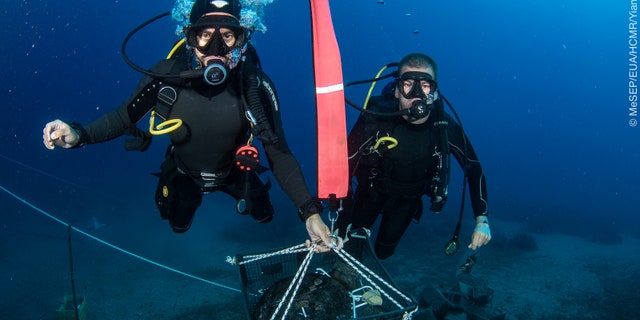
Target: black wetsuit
393,182
202,150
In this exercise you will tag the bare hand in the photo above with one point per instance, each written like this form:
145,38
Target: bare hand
479,239
319,233
59,133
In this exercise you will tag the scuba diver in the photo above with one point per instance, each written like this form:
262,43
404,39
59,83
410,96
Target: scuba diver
398,158
214,100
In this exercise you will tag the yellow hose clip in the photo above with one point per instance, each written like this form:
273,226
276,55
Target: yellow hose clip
169,125
391,140
164,127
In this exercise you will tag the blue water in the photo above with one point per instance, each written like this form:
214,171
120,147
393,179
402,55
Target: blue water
541,88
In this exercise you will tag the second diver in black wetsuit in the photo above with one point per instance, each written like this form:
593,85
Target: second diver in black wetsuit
396,160
220,113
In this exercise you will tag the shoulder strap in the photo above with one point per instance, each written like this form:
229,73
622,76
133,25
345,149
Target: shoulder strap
168,94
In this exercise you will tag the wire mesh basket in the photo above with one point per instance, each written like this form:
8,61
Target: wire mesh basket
348,284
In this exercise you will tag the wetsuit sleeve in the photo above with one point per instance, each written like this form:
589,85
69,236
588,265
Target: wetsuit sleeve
287,172
123,120
283,164
462,149
109,126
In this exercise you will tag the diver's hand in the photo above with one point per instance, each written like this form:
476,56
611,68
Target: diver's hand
481,234
319,233
59,133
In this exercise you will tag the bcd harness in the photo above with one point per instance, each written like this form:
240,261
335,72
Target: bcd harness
247,158
250,84
161,92
252,88
435,185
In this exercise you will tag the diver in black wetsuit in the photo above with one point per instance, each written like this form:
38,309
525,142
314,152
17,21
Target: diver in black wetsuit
397,160
220,113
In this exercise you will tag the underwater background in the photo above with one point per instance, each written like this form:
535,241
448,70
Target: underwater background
542,89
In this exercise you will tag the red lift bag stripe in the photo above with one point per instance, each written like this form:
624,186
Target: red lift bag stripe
333,166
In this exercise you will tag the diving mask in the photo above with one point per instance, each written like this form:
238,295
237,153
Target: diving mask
212,41
421,86
414,84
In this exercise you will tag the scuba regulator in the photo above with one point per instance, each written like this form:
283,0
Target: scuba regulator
214,73
417,85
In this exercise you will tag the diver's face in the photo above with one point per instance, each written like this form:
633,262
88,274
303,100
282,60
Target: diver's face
205,36
407,85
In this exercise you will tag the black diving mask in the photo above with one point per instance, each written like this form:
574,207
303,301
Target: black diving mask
418,85
215,44
215,70
414,84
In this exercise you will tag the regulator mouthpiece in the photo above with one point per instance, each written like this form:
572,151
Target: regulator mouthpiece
215,73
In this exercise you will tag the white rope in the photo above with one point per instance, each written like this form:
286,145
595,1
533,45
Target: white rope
353,261
297,281
255,257
44,173
346,256
86,234
294,286
409,315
